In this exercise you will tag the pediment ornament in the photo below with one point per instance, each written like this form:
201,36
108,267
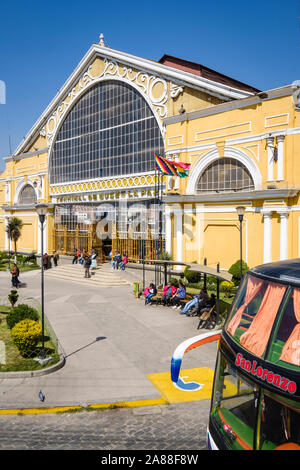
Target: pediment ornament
155,88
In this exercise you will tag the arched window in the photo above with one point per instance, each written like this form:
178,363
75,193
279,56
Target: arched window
225,174
27,195
110,131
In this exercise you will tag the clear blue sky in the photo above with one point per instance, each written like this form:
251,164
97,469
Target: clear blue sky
254,41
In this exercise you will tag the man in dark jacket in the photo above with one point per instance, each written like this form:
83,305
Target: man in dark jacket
87,264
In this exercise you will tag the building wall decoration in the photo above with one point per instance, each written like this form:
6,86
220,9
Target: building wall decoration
201,120
155,89
205,224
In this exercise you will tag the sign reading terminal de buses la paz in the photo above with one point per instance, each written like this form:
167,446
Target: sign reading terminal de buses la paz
2,92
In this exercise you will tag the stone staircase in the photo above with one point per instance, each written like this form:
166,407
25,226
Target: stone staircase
103,276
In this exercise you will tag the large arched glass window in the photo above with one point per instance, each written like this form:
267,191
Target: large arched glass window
110,131
225,174
27,196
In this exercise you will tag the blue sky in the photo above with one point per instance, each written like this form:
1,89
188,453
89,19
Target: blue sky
254,41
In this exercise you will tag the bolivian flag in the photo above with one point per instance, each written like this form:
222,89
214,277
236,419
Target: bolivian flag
182,169
167,167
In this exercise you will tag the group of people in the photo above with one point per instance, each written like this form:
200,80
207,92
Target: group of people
47,260
119,261
174,296
88,261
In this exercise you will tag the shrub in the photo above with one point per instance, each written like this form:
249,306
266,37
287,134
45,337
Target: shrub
3,255
227,287
19,313
235,270
13,297
174,282
26,335
165,256
30,259
191,276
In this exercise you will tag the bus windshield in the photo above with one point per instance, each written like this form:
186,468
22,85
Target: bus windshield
233,406
237,413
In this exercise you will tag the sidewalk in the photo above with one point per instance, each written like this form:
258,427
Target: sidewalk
111,342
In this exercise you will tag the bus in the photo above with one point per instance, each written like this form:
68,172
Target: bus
255,402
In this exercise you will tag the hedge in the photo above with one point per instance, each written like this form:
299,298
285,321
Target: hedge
19,313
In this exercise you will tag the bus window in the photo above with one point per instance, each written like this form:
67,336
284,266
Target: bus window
280,425
234,406
252,316
285,348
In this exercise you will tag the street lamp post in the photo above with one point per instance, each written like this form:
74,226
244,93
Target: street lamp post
42,211
241,212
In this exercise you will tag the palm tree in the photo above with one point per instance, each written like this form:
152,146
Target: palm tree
13,230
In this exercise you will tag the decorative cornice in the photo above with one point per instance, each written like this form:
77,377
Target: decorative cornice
142,180
240,103
232,197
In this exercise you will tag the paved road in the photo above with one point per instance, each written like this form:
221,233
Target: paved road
164,427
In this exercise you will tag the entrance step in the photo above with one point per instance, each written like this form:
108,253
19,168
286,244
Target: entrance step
103,276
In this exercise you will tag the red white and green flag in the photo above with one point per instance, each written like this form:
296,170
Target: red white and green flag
168,167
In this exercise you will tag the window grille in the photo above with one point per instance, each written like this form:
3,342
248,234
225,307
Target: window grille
27,196
110,131
223,175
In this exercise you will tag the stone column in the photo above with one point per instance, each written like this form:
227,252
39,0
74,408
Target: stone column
7,243
267,213
280,146
179,235
283,232
170,182
270,144
168,228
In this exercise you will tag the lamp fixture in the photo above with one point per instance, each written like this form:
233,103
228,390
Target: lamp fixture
181,110
41,209
240,210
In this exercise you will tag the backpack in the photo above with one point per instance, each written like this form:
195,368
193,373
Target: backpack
88,262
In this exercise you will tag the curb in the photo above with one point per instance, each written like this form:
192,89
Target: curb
33,373
103,406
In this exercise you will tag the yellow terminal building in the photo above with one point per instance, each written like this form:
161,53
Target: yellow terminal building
91,157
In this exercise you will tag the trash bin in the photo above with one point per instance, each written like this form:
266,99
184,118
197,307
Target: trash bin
136,289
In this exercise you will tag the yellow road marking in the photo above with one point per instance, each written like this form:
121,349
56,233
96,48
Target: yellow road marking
204,375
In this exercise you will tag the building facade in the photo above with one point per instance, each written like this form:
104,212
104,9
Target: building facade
91,154
242,153
91,157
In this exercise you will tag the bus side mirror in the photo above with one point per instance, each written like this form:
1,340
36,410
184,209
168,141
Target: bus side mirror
187,346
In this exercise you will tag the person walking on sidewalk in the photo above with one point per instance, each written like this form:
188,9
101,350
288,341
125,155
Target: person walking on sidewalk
15,276
87,264
94,255
55,258
76,256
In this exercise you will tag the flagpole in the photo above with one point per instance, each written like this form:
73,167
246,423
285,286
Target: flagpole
155,195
